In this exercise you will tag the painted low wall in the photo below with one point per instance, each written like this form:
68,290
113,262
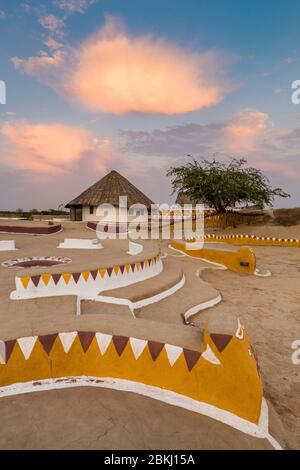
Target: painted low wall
242,261
222,381
86,284
7,245
48,230
240,239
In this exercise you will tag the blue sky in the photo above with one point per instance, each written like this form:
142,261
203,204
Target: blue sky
241,57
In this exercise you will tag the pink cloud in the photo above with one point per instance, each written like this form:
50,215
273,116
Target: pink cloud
51,148
117,73
73,6
244,132
52,23
249,133
43,65
281,168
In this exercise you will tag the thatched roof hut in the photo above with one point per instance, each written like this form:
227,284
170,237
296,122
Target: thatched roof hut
184,199
106,191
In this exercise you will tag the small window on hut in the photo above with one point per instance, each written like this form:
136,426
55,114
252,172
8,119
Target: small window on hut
91,209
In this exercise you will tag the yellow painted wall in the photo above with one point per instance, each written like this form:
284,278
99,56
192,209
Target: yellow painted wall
233,385
232,260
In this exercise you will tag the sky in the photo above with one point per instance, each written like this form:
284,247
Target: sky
138,86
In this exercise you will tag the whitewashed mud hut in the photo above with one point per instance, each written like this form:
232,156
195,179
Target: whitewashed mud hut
106,191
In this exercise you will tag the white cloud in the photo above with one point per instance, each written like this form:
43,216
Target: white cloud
115,72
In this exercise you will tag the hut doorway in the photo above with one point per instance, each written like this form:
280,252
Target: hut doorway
76,213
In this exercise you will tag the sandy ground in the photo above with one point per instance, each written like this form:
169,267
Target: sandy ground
270,310
268,307
107,419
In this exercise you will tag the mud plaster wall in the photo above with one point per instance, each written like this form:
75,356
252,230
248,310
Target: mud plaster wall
224,374
87,284
31,230
242,261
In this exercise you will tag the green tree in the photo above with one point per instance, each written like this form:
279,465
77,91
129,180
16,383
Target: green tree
221,185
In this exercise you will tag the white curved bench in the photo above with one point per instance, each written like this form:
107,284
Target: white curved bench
7,245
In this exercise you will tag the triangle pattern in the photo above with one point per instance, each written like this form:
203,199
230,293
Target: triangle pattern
127,267
85,275
66,277
46,278
137,346
25,281
9,348
26,345
155,349
116,269
67,339
102,272
220,340
76,276
191,357
36,280
85,339
103,341
120,343
173,353
56,278
94,274
47,342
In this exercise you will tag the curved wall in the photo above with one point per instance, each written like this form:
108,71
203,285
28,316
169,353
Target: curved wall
31,230
221,381
87,284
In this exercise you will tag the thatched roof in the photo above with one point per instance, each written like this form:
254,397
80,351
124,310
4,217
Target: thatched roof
184,199
108,190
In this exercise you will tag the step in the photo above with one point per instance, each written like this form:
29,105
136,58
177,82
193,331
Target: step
195,294
171,275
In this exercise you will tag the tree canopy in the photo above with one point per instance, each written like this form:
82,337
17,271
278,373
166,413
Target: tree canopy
222,185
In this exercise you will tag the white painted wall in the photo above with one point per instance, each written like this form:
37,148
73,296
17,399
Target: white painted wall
7,245
85,289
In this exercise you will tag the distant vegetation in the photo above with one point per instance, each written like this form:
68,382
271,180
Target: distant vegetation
34,212
286,217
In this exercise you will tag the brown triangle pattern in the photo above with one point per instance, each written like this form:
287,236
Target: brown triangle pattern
220,340
155,349
76,276
109,271
85,337
120,343
122,267
47,342
132,267
9,346
191,357
36,280
56,278
94,274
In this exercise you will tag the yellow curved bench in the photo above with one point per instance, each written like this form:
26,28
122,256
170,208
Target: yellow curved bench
242,261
